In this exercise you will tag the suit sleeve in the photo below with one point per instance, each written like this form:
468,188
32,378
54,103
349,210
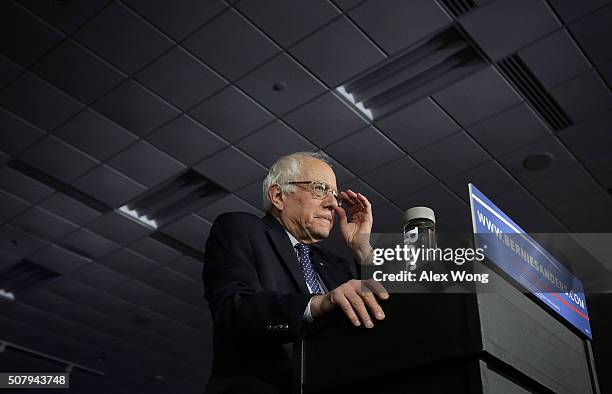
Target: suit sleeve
238,303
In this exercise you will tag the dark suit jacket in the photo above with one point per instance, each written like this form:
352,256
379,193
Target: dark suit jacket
257,296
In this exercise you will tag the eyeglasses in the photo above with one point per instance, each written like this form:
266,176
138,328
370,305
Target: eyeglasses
319,189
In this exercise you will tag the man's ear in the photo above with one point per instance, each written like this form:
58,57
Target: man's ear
276,197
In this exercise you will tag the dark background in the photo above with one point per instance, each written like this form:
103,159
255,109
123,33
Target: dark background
104,103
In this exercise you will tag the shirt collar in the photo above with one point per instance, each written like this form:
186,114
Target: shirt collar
294,241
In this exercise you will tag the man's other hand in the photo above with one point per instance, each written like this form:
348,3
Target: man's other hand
355,298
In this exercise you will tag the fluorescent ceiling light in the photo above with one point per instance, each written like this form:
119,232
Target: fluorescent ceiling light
359,105
144,220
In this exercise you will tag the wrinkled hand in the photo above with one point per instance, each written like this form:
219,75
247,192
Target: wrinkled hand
357,225
354,298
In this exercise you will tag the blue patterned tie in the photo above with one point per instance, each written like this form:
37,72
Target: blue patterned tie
309,273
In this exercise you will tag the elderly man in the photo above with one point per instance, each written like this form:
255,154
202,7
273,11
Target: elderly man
266,278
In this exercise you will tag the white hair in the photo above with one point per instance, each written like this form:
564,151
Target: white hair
288,168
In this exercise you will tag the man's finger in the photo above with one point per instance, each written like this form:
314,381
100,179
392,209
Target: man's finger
373,306
359,307
364,202
341,215
376,287
343,303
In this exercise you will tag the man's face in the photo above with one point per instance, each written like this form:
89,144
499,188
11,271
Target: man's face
307,217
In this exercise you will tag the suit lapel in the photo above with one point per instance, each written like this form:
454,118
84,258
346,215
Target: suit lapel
282,244
321,267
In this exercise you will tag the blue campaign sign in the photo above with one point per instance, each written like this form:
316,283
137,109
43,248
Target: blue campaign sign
527,262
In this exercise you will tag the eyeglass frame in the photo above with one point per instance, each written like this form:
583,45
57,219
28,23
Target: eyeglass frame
329,189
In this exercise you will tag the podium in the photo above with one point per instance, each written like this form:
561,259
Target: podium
498,341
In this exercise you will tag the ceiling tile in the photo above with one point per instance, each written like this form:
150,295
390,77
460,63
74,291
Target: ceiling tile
253,194
555,189
347,4
29,97
35,37
455,223
16,134
191,230
605,70
592,32
590,139
451,155
417,125
186,140
570,10
17,242
129,263
601,169
490,178
194,295
88,244
122,38
230,168
7,259
166,280
154,250
533,16
359,186
11,206
67,16
509,130
555,59
59,259
405,22
108,185
288,21
138,293
100,277
513,162
75,70
540,222
399,178
477,97
3,158
281,85
135,108
231,114
584,96
43,224
23,186
8,71
388,218
70,209
325,119
436,197
229,203
231,45
187,266
40,338
286,141
181,78
337,52
364,151
119,228
178,18
45,156
185,313
146,164
592,217
342,174
95,134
